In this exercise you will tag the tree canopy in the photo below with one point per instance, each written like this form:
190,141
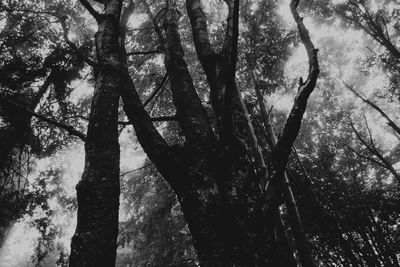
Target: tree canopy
199,133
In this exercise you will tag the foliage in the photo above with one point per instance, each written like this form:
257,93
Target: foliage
348,199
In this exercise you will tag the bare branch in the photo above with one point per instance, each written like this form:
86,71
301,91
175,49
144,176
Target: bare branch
158,89
144,52
293,122
157,29
164,118
90,9
39,12
375,152
390,122
71,130
367,157
359,15
308,44
135,170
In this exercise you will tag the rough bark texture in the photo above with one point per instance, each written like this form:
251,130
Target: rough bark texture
95,238
232,221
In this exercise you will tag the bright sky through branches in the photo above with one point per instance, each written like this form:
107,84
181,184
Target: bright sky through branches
341,51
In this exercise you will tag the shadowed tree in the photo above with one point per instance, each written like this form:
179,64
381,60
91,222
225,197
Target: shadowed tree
228,196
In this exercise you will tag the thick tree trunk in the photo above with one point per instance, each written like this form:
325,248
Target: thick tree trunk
234,230
217,174
95,239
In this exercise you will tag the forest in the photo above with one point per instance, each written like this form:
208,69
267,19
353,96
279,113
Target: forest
199,133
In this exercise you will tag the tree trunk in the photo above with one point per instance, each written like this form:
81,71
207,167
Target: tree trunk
95,240
234,230
217,173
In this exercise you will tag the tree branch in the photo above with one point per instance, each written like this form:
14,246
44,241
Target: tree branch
62,19
366,157
189,109
198,21
10,10
374,151
227,131
281,150
68,128
138,169
390,122
90,9
164,118
361,17
271,138
229,32
155,119
151,140
73,46
293,122
166,158
158,89
157,29
144,52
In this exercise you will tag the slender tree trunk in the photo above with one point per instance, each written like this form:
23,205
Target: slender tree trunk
294,217
95,240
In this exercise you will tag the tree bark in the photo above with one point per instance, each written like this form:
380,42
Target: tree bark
233,222
95,239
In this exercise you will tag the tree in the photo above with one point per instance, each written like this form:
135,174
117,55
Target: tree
95,240
30,76
228,196
228,172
